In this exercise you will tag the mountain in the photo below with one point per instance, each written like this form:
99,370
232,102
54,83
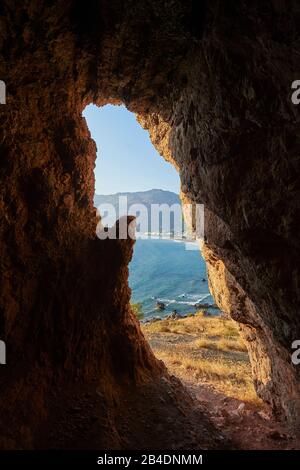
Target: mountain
152,196
162,223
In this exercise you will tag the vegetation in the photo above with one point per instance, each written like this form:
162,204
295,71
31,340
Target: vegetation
137,310
204,349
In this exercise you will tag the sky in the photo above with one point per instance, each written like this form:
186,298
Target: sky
126,159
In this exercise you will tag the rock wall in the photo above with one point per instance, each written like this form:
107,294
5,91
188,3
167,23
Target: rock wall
211,81
233,136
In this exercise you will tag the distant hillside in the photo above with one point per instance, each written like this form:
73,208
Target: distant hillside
147,198
153,196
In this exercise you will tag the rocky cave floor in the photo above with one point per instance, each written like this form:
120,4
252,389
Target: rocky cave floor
158,415
162,415
209,420
217,374
177,410
245,426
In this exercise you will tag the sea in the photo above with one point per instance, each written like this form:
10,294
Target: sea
165,271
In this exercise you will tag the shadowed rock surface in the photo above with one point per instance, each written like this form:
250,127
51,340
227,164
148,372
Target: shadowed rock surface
211,81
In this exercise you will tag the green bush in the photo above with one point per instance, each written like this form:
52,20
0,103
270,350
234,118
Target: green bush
137,310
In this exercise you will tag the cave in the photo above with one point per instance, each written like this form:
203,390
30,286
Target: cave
211,82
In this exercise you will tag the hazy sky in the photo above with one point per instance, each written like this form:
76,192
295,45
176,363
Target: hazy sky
126,158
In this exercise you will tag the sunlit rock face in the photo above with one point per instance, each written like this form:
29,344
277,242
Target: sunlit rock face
211,82
237,148
233,135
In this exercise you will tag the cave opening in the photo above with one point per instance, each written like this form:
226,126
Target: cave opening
168,277
131,178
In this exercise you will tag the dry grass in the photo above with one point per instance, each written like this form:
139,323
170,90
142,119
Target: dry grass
197,324
222,344
204,349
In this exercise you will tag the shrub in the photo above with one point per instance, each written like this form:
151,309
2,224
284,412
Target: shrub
137,310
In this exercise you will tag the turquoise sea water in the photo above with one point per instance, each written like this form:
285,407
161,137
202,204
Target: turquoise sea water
163,270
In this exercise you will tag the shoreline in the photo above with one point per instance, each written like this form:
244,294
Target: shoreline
165,238
175,315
